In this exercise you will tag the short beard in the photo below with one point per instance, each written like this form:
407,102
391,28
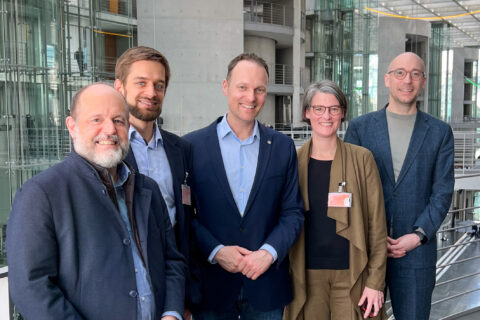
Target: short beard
108,159
143,115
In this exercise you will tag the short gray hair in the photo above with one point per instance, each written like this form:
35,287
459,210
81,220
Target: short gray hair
324,86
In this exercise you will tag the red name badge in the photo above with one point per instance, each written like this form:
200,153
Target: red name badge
186,195
340,199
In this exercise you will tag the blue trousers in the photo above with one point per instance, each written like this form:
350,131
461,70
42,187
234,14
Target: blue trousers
410,291
244,311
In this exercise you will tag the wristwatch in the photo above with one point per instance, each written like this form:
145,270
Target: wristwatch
423,238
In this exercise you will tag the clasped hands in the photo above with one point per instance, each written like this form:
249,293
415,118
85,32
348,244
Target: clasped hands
397,248
251,264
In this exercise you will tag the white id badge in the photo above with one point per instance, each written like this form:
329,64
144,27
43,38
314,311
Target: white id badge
340,199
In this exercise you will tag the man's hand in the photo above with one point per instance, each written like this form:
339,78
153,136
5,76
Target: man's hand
374,299
397,248
256,263
187,315
231,258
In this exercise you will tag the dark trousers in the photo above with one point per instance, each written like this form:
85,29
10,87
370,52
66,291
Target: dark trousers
410,291
243,310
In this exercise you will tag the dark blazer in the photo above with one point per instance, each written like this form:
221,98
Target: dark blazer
178,155
273,215
422,194
69,253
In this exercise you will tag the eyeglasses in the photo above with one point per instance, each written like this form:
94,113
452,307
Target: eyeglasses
400,74
333,110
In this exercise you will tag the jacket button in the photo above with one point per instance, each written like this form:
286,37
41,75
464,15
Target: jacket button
242,230
133,294
126,241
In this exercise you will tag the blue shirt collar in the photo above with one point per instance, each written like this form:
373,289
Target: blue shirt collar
224,128
157,136
122,174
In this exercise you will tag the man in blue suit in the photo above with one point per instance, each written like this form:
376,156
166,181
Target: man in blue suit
414,155
142,76
248,206
89,238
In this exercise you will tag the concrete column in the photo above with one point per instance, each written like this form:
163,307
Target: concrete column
265,48
298,62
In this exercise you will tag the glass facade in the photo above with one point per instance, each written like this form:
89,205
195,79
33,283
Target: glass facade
48,50
345,50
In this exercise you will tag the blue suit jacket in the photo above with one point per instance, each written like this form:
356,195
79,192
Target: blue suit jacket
178,155
273,215
69,253
422,194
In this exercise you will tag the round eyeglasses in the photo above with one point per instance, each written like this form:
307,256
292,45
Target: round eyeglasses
333,110
400,74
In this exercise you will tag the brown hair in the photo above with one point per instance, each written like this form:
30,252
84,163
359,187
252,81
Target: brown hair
122,68
324,86
248,57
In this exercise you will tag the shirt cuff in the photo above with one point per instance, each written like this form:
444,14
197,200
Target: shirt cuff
172,313
421,231
214,252
270,250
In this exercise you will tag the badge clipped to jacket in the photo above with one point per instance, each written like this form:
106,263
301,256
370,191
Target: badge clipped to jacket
186,194
340,199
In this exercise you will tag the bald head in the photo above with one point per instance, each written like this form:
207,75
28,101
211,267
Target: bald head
93,90
406,57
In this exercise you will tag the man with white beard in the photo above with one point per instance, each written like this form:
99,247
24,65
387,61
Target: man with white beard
89,238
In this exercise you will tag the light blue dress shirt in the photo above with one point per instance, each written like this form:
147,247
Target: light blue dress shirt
145,300
152,161
240,160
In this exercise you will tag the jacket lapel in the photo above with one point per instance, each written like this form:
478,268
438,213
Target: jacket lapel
175,160
141,206
340,215
130,159
416,141
383,144
264,152
213,152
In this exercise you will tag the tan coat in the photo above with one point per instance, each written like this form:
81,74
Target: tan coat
363,224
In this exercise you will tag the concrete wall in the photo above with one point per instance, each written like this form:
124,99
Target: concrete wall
265,48
458,80
198,38
392,35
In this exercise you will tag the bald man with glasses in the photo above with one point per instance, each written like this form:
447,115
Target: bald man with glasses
414,156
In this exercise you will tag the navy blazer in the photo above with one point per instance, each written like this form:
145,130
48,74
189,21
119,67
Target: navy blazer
69,253
178,155
422,194
273,215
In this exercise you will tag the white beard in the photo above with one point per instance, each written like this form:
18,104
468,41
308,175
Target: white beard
106,159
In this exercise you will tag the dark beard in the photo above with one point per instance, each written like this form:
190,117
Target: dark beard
142,115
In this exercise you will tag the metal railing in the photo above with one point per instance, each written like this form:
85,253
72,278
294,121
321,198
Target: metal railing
268,12
283,74
465,147
117,7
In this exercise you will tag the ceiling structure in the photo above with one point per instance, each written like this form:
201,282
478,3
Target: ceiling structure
463,16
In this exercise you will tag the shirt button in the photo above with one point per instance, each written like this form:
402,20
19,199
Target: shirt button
133,294
104,192
242,190
136,270
243,167
126,241
143,298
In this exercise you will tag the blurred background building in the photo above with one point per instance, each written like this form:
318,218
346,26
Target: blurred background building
51,48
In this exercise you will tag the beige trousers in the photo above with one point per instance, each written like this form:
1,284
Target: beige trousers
328,296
